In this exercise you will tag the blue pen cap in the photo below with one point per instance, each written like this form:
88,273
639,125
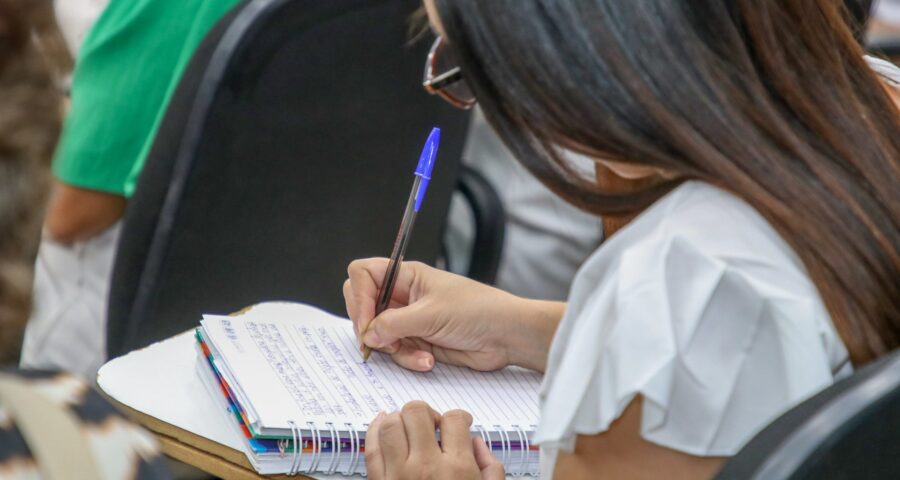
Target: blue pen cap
426,164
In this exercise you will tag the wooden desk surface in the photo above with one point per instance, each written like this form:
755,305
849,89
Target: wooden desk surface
203,453
158,388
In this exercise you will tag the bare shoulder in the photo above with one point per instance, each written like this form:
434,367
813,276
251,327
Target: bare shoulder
621,453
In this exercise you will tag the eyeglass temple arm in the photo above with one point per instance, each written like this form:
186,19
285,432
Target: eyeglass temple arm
445,79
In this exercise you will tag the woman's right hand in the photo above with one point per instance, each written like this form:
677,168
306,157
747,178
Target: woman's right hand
439,316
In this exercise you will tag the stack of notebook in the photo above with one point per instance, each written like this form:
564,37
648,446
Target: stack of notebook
289,375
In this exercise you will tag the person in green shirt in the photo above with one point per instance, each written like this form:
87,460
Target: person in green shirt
127,69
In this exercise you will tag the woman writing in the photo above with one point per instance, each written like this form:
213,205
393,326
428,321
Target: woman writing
765,264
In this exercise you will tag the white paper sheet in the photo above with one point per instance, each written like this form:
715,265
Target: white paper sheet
160,381
297,363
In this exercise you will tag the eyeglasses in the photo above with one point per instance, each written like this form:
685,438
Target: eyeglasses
445,79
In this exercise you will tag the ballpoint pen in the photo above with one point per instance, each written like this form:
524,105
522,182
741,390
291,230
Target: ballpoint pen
420,185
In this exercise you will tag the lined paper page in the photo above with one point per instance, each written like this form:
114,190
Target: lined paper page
294,362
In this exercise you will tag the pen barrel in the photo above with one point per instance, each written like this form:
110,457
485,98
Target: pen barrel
399,251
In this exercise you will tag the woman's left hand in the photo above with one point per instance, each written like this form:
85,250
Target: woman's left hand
403,446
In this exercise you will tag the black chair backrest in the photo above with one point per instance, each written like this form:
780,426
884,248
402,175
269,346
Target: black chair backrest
888,48
849,431
286,152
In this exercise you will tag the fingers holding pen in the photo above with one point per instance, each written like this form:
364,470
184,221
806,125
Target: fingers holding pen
399,331
414,355
350,304
364,282
412,321
361,290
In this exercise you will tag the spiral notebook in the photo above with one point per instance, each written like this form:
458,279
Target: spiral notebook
288,374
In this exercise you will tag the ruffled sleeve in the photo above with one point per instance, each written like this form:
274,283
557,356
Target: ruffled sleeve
718,347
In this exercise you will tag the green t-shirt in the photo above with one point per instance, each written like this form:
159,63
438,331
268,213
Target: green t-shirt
127,70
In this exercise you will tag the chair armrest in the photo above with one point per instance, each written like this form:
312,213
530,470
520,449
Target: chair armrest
490,224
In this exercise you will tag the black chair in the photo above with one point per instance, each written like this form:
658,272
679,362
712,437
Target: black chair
286,152
489,217
885,48
849,431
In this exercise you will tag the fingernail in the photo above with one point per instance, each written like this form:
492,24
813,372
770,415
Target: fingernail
426,363
373,339
379,416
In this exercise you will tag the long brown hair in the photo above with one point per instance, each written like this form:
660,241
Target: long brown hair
769,99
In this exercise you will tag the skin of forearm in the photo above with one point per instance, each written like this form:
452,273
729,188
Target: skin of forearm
77,214
531,333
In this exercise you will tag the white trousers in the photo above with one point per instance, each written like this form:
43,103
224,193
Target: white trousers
67,329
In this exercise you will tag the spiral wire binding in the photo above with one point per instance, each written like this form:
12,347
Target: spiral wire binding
523,443
297,437
506,450
484,436
355,448
504,444
359,454
509,450
282,448
335,450
365,473
316,449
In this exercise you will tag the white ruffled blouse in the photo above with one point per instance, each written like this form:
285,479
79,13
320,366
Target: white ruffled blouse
702,309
